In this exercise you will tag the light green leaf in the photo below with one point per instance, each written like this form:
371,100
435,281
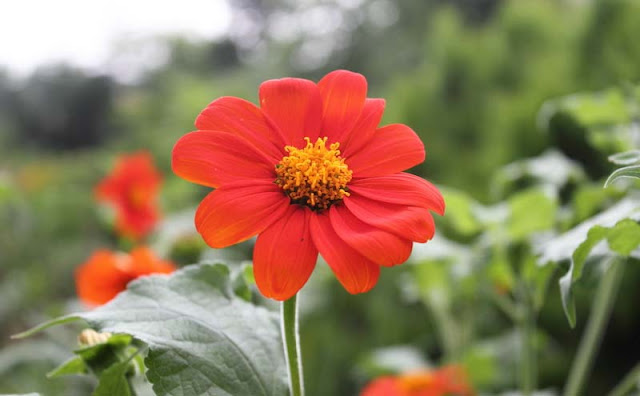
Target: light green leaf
73,366
460,212
113,381
577,245
203,339
624,237
561,248
531,211
627,171
626,158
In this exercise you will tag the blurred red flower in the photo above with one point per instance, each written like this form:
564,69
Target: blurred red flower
310,172
447,381
106,273
132,189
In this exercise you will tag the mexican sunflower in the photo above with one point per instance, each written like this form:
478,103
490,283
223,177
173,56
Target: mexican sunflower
309,171
106,273
132,190
447,381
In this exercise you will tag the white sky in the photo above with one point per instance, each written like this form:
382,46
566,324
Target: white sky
83,32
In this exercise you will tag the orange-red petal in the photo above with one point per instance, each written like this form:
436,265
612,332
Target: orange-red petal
216,158
382,386
101,278
377,245
401,189
242,118
144,262
355,272
343,96
294,105
284,256
392,149
364,129
237,211
410,222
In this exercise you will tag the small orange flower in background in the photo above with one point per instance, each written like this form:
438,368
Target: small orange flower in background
447,381
132,190
309,172
106,273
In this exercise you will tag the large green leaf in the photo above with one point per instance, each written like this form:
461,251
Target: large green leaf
203,339
617,226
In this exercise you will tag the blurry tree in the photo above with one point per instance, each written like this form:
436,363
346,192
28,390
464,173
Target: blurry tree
61,107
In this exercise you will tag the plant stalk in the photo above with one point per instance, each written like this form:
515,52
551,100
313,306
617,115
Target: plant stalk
590,343
291,340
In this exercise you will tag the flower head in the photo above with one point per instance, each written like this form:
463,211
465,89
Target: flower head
106,273
132,189
309,171
447,381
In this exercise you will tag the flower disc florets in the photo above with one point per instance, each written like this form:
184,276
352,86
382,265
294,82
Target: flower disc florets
314,175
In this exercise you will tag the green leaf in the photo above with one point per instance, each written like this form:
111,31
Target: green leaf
73,366
102,356
614,225
531,211
624,237
113,381
460,212
203,339
626,158
561,248
627,171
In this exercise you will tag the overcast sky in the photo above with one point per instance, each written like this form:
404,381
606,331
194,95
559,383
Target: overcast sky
83,32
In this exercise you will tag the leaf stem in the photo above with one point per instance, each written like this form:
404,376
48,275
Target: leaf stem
590,343
291,340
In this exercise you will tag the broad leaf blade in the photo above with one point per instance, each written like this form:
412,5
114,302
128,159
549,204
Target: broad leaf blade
203,339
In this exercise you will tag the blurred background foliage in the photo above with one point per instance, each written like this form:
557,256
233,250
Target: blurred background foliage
484,83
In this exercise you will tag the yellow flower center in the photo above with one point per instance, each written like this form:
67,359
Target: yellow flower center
314,175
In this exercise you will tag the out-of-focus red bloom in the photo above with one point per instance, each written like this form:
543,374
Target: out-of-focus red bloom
132,189
106,273
309,172
447,381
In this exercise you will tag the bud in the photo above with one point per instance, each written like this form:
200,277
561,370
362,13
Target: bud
90,337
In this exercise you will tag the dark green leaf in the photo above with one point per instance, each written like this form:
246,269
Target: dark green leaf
113,381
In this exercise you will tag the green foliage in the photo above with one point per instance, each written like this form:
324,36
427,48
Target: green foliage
210,341
577,244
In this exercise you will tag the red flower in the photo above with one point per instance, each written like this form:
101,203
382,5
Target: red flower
132,188
447,381
106,273
309,171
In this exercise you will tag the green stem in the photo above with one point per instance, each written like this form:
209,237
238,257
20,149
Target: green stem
291,339
590,343
526,323
628,382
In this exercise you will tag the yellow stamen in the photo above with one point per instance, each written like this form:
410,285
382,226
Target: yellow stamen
314,175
